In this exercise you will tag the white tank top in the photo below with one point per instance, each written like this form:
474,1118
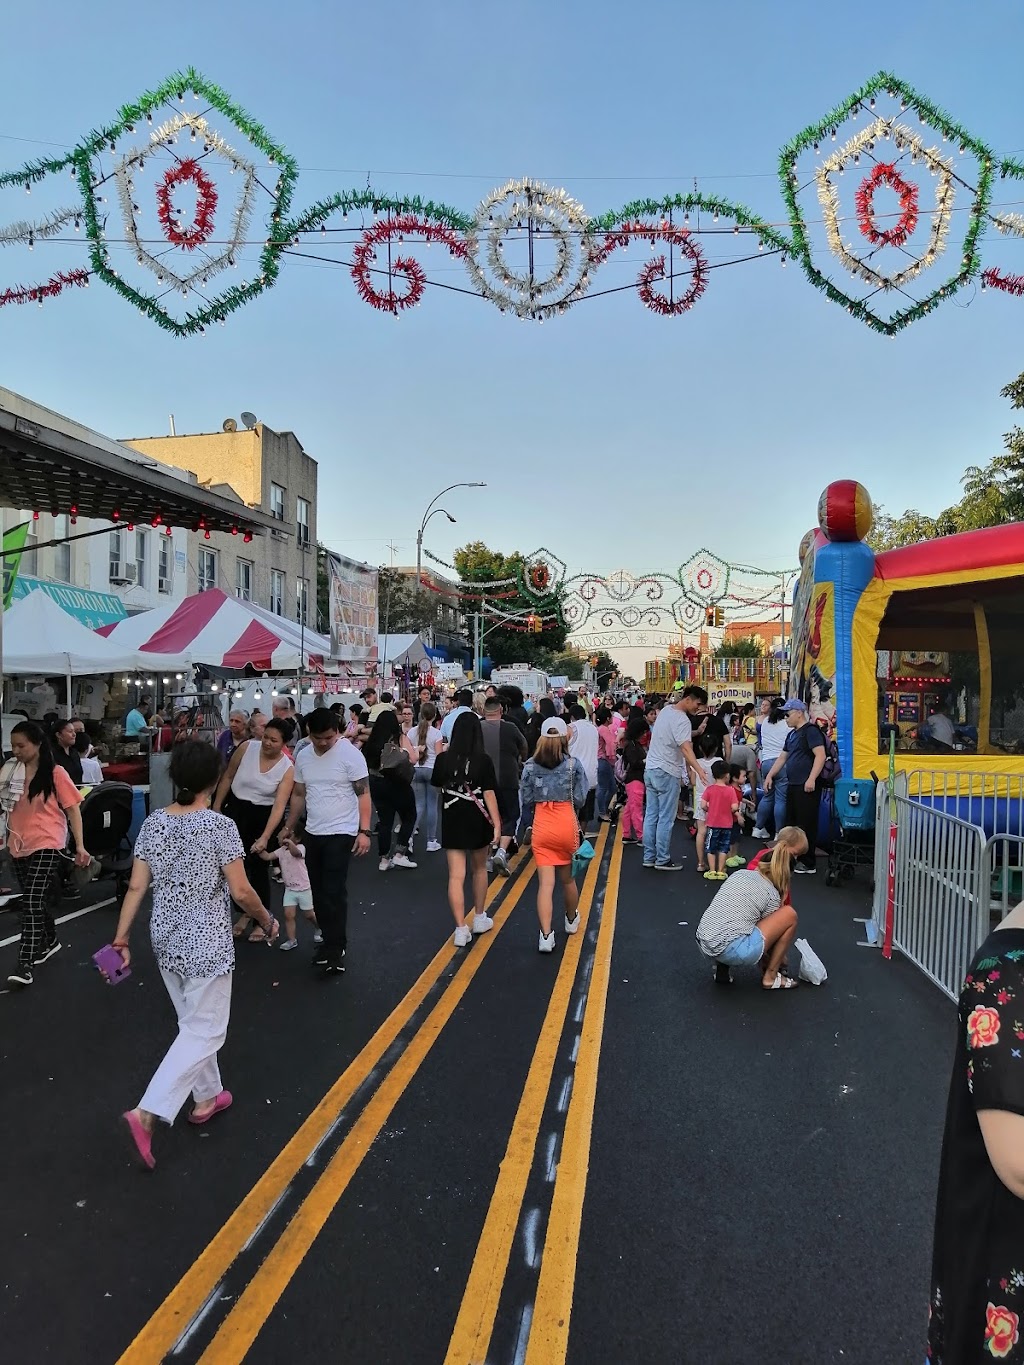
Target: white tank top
252,785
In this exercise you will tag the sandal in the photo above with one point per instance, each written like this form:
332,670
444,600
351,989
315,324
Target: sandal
238,928
781,983
257,936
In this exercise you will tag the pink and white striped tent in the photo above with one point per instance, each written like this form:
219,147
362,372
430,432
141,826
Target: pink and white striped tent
221,632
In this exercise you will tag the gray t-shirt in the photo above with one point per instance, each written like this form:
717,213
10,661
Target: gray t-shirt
738,907
671,729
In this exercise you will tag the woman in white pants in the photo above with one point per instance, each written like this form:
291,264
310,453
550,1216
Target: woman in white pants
193,858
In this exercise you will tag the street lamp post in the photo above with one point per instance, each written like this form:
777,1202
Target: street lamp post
431,511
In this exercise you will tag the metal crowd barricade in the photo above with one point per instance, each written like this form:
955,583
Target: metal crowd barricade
993,801
1003,874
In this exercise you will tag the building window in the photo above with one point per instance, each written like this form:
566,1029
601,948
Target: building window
277,501
302,601
141,552
116,556
164,569
62,553
277,592
302,520
243,580
207,570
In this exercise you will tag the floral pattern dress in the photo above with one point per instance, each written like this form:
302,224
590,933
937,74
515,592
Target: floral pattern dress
977,1304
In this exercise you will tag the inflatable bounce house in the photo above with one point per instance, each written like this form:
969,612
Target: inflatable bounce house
922,643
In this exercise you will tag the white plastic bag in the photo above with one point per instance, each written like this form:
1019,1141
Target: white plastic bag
812,969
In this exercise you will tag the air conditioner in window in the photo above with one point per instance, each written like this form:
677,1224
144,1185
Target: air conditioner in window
121,572
164,584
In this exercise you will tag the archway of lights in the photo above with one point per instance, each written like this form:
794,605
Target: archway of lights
621,608
886,201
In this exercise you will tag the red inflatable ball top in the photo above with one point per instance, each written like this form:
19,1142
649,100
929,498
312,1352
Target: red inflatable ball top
844,511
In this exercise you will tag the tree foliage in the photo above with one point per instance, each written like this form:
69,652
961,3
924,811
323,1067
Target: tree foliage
744,647
993,494
401,610
478,563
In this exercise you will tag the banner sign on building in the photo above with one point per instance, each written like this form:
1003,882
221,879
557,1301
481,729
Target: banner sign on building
353,612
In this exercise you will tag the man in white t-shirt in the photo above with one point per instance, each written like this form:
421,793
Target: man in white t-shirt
583,741
669,757
332,790
940,727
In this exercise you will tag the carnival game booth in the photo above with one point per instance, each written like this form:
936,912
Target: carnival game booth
883,642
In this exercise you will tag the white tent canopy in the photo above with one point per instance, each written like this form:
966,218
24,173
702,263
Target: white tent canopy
397,651
41,638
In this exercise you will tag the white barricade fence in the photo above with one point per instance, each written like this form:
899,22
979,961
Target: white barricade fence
993,801
1003,874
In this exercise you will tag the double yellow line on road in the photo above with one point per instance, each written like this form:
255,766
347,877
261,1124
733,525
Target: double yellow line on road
549,1330
174,1316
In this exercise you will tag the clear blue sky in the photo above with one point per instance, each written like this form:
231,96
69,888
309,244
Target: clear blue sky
612,436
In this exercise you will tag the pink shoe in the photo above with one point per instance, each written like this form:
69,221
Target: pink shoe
141,1139
222,1102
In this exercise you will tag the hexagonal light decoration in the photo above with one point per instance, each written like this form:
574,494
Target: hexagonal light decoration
888,152
191,207
543,574
1008,225
704,578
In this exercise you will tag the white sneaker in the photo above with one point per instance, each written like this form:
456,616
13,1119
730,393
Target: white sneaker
402,860
500,862
463,936
289,944
384,864
490,864
318,938
571,925
433,846
546,944
481,923
757,833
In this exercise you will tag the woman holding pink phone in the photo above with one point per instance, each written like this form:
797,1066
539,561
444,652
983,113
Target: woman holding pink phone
194,860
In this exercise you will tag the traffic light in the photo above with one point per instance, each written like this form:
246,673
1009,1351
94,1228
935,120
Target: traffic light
714,617
719,618
533,624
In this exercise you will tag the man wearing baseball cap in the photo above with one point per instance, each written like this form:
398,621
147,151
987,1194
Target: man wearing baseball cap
669,757
803,759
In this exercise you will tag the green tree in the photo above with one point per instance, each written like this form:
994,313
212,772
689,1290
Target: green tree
478,563
993,494
745,647
401,610
323,590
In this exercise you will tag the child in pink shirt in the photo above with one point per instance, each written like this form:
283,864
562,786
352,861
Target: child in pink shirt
721,806
291,858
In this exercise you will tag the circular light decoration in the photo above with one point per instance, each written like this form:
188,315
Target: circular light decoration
696,271
542,568
621,585
704,578
575,610
897,235
529,212
364,264
200,229
686,614
844,511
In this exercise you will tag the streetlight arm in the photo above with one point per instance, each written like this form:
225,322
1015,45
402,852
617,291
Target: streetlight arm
427,514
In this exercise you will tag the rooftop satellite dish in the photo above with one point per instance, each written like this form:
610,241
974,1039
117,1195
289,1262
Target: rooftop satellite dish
229,424
249,420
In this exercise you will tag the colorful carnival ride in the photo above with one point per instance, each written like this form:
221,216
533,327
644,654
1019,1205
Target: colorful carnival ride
882,642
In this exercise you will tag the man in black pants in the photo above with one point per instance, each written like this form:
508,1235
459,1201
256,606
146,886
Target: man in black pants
803,759
506,748
332,790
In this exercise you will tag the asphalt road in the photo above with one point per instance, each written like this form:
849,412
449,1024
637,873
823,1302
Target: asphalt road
484,1155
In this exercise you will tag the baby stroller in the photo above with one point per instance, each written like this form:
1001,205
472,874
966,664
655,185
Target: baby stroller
106,821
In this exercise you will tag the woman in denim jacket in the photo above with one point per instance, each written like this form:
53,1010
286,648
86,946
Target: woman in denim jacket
556,785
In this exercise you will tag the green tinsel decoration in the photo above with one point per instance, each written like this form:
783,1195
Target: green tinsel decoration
352,201
690,203
886,83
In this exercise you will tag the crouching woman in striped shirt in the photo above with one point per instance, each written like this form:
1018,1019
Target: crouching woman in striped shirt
750,922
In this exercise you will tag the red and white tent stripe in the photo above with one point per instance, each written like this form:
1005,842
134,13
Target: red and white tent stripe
221,632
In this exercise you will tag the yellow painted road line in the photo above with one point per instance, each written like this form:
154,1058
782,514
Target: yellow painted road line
192,1291
242,1325
549,1329
475,1323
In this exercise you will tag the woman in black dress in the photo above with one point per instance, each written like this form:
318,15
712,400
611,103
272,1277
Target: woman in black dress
977,1305
470,822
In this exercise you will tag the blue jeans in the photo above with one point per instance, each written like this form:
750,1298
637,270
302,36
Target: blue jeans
426,802
662,799
605,785
773,803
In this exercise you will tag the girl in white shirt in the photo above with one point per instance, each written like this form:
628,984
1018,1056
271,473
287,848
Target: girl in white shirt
428,743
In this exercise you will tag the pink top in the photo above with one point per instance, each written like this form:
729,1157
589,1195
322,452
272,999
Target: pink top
607,743
721,804
293,869
39,822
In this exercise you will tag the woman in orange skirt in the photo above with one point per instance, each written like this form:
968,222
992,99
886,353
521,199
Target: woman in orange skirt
556,785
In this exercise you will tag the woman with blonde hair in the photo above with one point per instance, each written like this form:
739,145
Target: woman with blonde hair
750,922
555,784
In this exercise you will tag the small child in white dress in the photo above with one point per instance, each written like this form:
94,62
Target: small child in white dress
291,859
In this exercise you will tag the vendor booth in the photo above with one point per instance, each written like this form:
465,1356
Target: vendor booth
882,643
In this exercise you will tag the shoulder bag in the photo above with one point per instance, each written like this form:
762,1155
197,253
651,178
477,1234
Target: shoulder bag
395,762
585,850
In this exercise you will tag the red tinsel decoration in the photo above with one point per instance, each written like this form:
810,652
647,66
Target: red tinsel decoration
652,233
201,228
1009,284
401,225
885,174
35,293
